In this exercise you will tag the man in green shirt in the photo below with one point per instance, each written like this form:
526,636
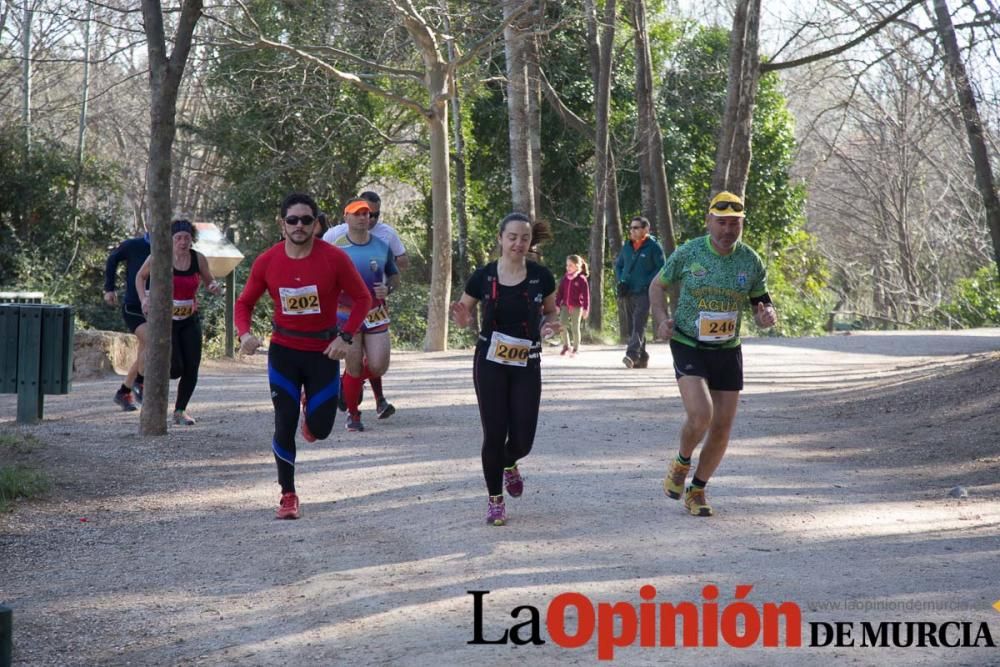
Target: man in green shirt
718,275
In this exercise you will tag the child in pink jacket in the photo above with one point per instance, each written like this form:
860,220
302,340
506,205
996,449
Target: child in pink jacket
573,300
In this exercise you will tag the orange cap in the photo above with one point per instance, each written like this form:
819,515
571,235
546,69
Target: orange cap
357,207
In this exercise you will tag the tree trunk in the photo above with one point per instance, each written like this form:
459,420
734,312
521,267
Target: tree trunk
81,136
613,212
652,168
26,78
461,212
534,115
436,338
643,99
602,104
515,49
973,123
165,74
732,163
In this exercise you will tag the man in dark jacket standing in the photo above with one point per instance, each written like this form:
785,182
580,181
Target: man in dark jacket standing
639,261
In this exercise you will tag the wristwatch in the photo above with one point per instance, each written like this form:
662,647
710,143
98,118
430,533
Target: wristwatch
346,336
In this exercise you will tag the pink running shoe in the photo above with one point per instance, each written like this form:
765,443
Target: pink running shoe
513,483
496,513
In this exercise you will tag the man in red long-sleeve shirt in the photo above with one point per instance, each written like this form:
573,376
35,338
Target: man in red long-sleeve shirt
304,278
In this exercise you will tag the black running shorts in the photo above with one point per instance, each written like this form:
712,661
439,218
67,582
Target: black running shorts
132,314
722,368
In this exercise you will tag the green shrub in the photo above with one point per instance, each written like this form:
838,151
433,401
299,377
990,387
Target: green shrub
797,279
408,309
975,301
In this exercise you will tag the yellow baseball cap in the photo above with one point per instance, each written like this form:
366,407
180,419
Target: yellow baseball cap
726,204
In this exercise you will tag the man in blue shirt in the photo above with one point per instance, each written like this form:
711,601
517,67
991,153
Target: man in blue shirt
369,355
133,252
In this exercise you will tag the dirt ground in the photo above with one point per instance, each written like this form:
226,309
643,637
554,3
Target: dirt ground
834,495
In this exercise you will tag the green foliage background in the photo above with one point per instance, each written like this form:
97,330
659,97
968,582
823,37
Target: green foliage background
277,125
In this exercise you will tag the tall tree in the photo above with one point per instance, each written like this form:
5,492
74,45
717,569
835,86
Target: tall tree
165,73
26,79
733,157
732,161
653,172
985,181
517,42
461,185
436,80
602,173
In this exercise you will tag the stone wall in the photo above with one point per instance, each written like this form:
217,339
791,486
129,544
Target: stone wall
97,353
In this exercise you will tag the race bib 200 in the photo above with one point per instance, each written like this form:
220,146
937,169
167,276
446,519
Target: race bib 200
508,350
299,300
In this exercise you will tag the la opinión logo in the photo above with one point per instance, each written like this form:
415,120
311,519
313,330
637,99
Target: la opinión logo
572,620
653,625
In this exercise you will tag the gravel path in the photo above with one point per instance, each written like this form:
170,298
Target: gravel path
162,551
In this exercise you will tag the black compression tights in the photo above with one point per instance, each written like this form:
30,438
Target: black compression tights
509,397
288,372
185,358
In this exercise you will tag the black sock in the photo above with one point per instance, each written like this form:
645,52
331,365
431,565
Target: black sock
686,460
124,390
698,483
140,379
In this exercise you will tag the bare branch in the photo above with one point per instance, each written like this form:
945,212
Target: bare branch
347,77
481,45
772,66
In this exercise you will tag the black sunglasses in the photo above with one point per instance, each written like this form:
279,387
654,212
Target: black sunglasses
374,214
723,205
299,220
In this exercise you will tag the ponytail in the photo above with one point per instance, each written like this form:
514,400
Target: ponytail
540,233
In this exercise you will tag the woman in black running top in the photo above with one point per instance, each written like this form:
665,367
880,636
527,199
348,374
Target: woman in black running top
519,310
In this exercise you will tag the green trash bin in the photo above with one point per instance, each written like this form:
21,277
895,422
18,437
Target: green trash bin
6,636
9,322
22,297
36,354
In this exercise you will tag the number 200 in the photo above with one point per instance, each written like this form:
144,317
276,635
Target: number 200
512,353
